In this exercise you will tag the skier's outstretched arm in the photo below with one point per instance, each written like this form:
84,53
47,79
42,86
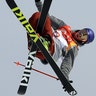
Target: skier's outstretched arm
68,61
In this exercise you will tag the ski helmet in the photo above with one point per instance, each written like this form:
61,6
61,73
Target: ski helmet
90,34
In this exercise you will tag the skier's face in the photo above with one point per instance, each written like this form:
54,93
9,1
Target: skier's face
81,35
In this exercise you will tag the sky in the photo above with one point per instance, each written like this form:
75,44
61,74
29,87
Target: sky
76,13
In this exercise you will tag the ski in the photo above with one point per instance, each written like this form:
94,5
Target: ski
27,71
44,13
66,84
26,74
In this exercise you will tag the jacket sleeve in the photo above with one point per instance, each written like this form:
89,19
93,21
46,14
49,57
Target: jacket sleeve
55,22
68,61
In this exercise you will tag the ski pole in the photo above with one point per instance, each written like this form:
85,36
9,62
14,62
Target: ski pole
18,63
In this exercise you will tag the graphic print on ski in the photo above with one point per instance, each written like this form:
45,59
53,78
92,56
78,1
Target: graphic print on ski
35,38
26,75
45,9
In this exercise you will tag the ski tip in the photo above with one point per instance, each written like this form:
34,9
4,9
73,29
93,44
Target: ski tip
20,93
73,93
21,90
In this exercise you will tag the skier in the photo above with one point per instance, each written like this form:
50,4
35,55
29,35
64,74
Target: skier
60,41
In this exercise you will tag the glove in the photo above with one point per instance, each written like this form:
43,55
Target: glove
37,0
